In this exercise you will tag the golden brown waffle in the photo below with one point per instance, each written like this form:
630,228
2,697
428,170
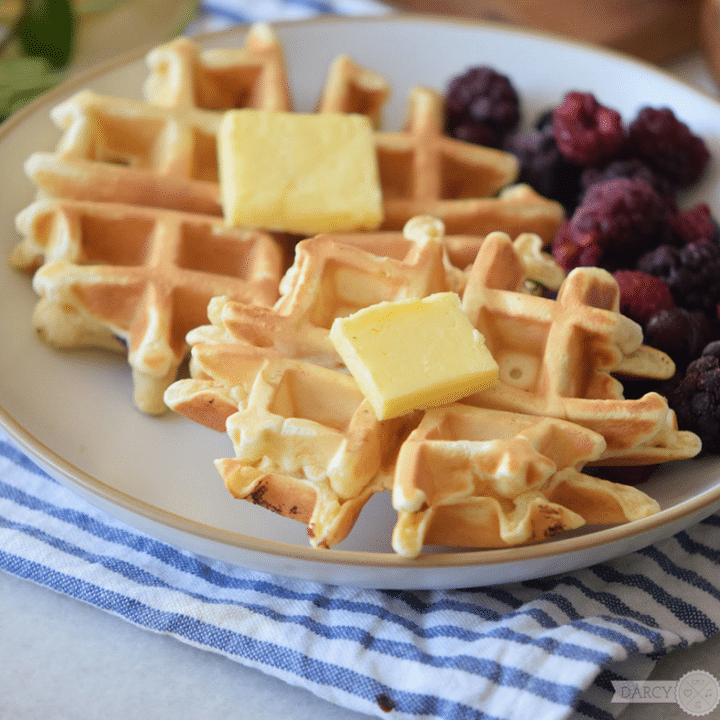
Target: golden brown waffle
331,279
557,357
540,266
472,477
307,444
423,171
163,152
351,88
184,76
137,280
119,150
138,153
471,474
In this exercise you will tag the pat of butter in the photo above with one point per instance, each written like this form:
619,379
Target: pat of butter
412,354
299,172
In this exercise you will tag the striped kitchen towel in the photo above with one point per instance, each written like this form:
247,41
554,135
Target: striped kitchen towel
550,648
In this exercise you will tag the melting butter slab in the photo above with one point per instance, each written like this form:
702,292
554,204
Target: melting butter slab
299,172
412,354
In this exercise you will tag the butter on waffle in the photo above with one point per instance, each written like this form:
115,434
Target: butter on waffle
138,279
307,444
557,357
473,477
182,75
163,152
332,279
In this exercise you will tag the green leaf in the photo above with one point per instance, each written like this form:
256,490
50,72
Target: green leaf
45,30
22,80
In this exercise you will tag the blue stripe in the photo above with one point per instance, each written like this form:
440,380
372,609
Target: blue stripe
500,594
540,616
680,608
225,13
692,615
603,681
18,458
270,654
608,599
636,627
318,7
694,547
713,520
592,711
621,638
558,600
441,602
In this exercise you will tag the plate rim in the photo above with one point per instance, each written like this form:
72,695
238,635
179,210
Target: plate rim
72,476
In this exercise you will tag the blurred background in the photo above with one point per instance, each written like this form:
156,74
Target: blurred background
41,41
655,30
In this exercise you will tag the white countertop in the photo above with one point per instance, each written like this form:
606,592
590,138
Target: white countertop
62,659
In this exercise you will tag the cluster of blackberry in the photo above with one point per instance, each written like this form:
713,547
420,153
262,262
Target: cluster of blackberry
619,185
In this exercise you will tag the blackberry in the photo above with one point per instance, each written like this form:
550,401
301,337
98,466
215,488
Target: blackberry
544,167
678,333
630,168
482,107
617,221
667,145
695,223
642,295
569,253
587,132
696,399
692,273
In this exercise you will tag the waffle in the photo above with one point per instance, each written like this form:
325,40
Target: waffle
120,150
184,76
351,88
540,266
332,279
469,474
137,279
423,171
307,444
138,153
558,358
472,477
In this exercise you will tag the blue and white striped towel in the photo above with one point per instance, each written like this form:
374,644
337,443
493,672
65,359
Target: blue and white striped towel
548,648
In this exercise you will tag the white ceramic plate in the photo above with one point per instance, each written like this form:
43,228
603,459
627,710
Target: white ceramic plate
73,411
